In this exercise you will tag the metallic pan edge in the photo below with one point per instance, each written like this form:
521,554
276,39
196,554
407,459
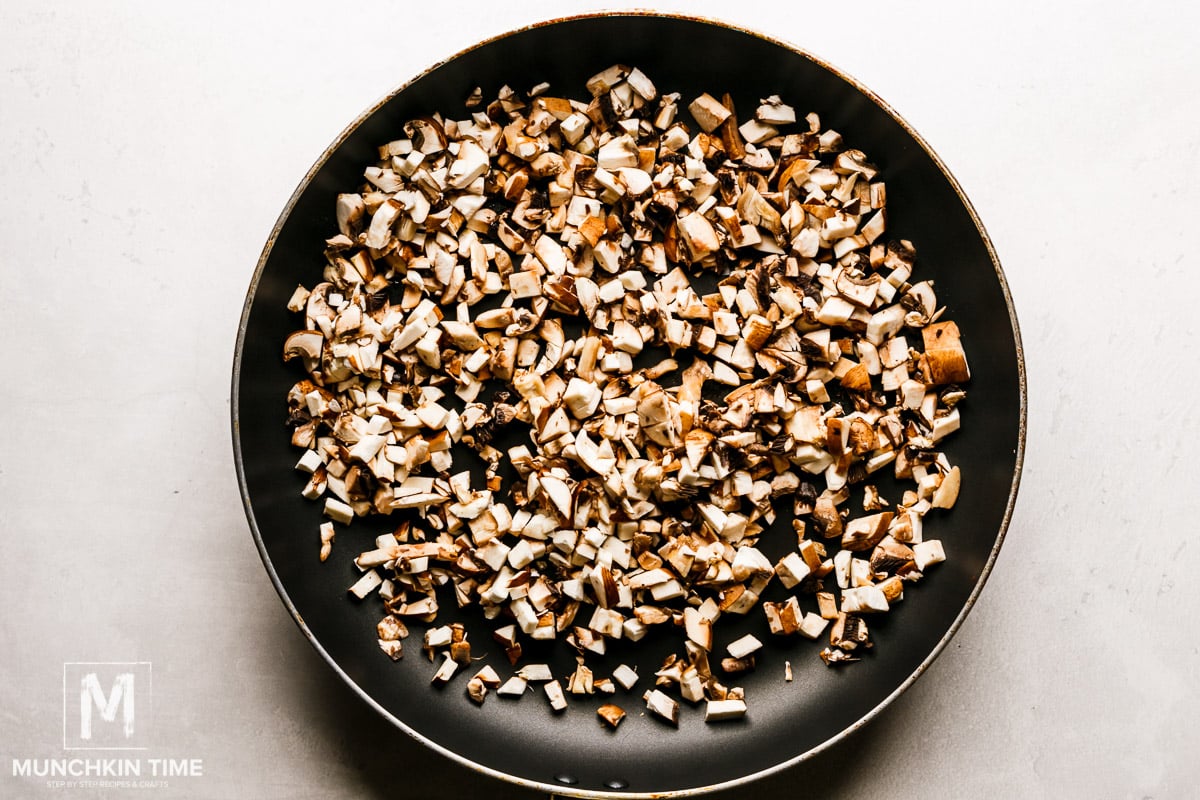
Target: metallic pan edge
565,790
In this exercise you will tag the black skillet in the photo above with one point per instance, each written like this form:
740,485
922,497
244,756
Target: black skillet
572,753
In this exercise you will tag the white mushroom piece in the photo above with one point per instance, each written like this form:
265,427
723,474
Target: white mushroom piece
662,706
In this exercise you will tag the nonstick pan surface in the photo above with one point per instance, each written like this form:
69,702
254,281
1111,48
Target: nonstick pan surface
572,753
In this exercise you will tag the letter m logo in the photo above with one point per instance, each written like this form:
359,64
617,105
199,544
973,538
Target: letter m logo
91,695
105,705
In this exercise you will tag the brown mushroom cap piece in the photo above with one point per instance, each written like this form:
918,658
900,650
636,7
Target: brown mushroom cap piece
427,134
306,344
945,360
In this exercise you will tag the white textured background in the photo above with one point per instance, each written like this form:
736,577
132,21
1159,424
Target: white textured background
145,151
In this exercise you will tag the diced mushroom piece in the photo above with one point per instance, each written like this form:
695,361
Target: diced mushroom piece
848,632
783,619
945,360
947,492
380,230
757,331
427,134
559,493
419,500
392,648
637,182
641,84
662,706
708,112
699,630
603,82
462,335
488,676
833,656
698,236
367,583
625,676
773,111
826,516
554,693
607,622
523,285
338,511
863,600
299,299
305,344
350,212
581,680
744,646
618,152
892,588
440,636
812,625
864,533
582,398
513,687
755,131
791,570
536,673
445,671
477,690
928,552
748,562
736,666
884,324
327,536
391,628
471,162
626,337
724,710
574,127
611,714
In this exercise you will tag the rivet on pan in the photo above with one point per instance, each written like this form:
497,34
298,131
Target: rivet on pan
617,783
569,780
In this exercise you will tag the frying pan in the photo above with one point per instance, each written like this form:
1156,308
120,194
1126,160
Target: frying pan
522,741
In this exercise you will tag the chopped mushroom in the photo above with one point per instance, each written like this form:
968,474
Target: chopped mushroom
928,552
446,671
662,706
611,714
513,687
536,673
554,693
947,492
369,582
664,334
477,690
724,710
625,676
708,112
744,646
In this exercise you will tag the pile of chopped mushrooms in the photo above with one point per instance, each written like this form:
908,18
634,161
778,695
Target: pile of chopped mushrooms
682,327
